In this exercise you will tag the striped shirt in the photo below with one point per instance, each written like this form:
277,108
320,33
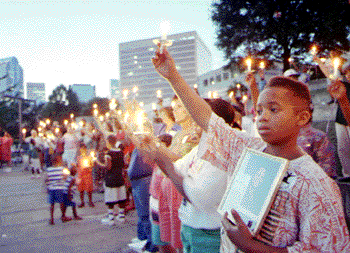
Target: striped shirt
55,178
67,183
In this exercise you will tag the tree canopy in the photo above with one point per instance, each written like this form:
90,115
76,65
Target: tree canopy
276,29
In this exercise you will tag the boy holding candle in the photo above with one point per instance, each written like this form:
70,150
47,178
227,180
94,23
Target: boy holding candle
115,192
307,213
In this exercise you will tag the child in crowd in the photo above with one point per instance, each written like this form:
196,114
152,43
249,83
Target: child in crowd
85,181
34,159
307,213
115,192
68,192
55,186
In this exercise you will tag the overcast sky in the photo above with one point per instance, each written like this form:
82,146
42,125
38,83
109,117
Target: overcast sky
76,41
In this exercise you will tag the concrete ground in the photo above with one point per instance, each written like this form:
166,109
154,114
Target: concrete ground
25,215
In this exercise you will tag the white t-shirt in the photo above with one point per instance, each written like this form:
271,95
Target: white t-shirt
205,186
70,142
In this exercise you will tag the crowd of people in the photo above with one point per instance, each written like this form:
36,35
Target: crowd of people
177,175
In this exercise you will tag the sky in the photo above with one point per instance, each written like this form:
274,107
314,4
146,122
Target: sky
77,41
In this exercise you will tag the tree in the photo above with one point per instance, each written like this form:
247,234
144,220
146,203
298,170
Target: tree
275,29
102,105
61,104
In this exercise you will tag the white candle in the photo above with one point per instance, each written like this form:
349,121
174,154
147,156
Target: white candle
140,119
313,50
154,106
164,29
249,64
159,94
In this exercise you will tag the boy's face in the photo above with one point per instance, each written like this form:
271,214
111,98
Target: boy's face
278,119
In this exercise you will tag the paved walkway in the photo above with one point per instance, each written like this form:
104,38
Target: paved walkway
25,215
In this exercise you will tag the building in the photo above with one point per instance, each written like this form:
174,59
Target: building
191,56
36,91
11,77
85,92
215,83
114,88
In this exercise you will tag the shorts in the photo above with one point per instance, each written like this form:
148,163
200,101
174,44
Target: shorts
55,196
115,195
66,201
156,235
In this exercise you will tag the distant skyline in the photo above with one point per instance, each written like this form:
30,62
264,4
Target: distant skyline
67,42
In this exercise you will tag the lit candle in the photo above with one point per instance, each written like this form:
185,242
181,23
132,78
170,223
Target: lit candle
65,122
173,103
101,118
210,94
107,115
24,131
154,106
141,104
72,115
231,94
119,112
249,64
262,65
290,59
95,106
95,112
140,120
86,163
125,94
112,105
48,121
215,94
93,155
313,50
164,29
135,89
238,86
66,171
57,130
39,129
159,94
195,86
244,98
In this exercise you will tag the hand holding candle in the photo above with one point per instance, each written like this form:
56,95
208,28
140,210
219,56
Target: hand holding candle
249,64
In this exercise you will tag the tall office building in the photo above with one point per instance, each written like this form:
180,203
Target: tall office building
11,75
191,56
114,88
85,92
36,91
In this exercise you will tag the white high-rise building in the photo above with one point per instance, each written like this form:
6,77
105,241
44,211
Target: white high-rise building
191,56
114,88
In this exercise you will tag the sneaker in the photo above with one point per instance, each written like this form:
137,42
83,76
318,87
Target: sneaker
135,240
108,220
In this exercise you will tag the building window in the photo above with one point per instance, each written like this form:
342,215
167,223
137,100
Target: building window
226,76
212,81
205,82
218,78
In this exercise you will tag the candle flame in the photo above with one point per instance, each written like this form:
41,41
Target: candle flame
164,29
262,65
159,93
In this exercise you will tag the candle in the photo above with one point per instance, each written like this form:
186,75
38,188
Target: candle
95,106
313,50
244,98
159,94
57,130
125,94
290,59
141,104
154,106
336,63
173,103
119,112
24,131
210,94
135,89
71,115
81,123
195,86
215,94
262,65
107,115
101,118
65,122
86,163
231,94
249,64
140,119
48,121
238,86
112,105
164,29
66,171
95,112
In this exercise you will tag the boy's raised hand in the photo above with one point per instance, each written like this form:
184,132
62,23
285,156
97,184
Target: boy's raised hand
337,89
164,63
239,233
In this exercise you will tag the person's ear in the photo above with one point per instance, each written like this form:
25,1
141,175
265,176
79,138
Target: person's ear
304,117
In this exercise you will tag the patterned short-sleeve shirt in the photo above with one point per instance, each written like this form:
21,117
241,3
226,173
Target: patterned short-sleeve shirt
306,214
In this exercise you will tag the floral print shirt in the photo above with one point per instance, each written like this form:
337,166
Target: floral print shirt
307,213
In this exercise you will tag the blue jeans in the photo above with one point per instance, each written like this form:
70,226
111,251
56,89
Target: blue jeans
140,191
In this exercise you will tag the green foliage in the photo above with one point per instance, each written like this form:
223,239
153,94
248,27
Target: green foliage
275,29
61,104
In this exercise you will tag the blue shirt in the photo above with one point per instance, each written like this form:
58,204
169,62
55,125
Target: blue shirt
138,168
